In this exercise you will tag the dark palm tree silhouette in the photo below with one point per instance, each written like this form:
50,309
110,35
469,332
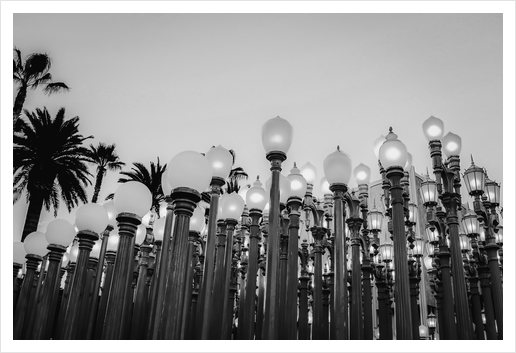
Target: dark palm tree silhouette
106,158
150,178
49,163
32,73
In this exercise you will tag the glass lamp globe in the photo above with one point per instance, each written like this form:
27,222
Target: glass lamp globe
377,144
428,263
474,178
408,165
256,197
232,206
413,213
393,153
492,191
277,135
221,161
191,170
60,232
433,128
386,251
284,187
297,183
109,206
73,251
419,245
95,251
337,167
197,220
309,172
470,223
165,185
325,186
159,229
499,236
464,242
113,240
65,261
423,331
163,209
362,174
133,197
431,320
19,252
374,220
433,236
428,191
36,244
92,217
451,144
141,233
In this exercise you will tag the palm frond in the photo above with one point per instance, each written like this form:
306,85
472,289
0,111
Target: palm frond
56,87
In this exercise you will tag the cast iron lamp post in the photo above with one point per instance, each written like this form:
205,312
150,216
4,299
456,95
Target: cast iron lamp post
35,245
59,235
431,322
132,201
478,185
448,187
393,157
276,138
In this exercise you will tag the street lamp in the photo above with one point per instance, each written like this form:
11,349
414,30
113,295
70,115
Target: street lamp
431,322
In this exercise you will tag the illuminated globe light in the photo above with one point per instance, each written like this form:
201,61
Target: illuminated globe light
19,252
95,251
433,128
197,220
386,251
190,169
60,232
432,235
470,223
408,165
256,197
325,186
499,236
482,233
419,245
113,241
428,191
337,167
36,244
492,191
277,135
423,331
141,233
159,229
165,185
221,161
65,261
452,144
428,263
298,183
362,174
377,144
92,217
232,206
284,187
109,206
374,220
133,197
413,214
474,178
464,243
309,172
393,152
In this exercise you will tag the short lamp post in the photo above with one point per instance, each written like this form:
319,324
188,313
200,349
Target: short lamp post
431,322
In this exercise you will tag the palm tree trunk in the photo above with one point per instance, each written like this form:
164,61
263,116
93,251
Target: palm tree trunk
98,184
33,214
19,101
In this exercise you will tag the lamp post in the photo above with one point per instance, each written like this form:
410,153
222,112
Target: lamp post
132,201
189,174
59,235
35,245
276,138
447,176
393,156
476,183
431,322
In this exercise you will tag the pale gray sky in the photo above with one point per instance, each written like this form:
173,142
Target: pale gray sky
158,84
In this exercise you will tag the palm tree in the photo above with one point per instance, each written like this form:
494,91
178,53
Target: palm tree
30,74
151,179
106,158
49,163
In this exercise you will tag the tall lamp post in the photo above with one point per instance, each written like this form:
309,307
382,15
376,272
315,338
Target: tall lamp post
393,157
276,138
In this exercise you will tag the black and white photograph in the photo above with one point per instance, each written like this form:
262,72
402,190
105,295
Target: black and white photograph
282,171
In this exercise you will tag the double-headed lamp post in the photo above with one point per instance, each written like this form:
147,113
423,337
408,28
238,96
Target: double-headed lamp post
277,138
337,169
393,157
